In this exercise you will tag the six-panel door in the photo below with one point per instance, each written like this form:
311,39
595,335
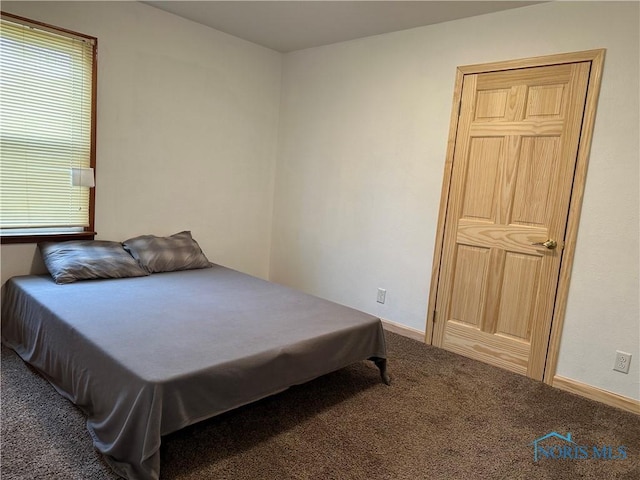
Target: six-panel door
513,167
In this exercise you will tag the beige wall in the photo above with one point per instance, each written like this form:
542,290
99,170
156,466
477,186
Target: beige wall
188,139
187,129
363,136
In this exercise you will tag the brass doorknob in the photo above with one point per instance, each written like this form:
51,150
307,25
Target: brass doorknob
550,244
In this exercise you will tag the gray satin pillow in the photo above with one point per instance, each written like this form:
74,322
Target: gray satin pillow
167,254
88,259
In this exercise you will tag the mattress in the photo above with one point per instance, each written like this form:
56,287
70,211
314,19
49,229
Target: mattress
146,356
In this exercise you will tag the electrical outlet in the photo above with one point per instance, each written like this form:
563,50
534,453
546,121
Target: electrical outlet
623,360
382,295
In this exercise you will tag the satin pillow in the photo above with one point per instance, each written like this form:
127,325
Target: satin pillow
88,259
167,254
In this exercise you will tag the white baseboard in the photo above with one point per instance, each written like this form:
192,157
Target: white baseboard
597,394
403,330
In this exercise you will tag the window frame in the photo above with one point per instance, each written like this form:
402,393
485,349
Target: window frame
89,231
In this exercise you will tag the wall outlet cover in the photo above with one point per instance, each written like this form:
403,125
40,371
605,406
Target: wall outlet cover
623,361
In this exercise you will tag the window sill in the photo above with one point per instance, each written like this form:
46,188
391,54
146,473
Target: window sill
47,237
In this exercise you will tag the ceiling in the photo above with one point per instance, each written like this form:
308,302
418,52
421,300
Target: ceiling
286,26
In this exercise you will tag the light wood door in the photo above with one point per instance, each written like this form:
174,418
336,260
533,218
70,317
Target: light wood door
514,158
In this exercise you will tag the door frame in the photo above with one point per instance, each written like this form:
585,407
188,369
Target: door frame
596,57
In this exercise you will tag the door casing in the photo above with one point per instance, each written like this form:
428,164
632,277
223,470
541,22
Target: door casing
596,58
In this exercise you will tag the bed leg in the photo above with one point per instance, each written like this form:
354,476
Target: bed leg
381,363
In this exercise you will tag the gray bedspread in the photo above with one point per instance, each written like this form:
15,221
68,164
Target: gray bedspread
146,356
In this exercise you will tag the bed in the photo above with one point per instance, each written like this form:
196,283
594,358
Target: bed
146,356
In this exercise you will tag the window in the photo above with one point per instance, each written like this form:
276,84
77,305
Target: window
47,132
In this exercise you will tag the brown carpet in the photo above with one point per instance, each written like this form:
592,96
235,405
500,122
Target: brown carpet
444,417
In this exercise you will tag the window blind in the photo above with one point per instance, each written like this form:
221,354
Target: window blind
45,127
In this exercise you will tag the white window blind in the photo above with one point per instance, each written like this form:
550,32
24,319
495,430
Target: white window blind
45,128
